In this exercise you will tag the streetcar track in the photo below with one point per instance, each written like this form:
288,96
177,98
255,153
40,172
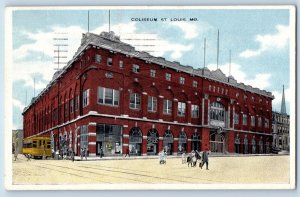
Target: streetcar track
101,174
182,176
125,171
66,172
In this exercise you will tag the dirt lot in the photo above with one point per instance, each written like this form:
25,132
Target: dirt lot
257,169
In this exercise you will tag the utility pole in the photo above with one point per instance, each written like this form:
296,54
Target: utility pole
218,51
229,62
204,53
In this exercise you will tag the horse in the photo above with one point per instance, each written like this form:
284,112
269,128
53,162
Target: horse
192,158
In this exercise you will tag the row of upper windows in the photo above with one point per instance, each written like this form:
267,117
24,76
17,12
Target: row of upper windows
252,120
136,69
108,96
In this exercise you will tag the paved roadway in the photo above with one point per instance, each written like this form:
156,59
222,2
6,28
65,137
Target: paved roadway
234,169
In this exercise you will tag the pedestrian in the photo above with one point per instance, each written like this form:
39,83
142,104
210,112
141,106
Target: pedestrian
127,152
101,152
85,153
28,157
73,156
204,159
81,154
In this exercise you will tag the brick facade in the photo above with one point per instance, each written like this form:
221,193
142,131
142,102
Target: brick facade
53,112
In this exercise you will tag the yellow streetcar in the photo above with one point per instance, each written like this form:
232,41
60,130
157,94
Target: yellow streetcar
37,147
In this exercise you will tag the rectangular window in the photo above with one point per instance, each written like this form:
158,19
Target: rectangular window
236,118
85,96
152,103
135,68
245,119
181,109
167,107
259,121
152,73
209,88
168,76
109,61
76,103
195,84
66,108
181,80
98,58
108,96
135,101
266,123
121,64
71,105
253,121
55,114
84,136
195,111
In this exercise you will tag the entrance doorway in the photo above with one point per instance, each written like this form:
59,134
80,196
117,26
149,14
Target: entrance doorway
196,141
135,141
152,141
217,143
168,142
98,148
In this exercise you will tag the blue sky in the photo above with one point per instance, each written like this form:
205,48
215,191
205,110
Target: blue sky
259,40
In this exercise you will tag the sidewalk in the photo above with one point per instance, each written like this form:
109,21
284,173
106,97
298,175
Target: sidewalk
94,158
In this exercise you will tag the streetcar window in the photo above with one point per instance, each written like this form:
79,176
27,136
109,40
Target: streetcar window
34,144
27,145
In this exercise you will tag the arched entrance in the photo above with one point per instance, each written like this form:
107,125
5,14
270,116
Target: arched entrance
195,141
152,141
135,141
217,143
168,142
182,139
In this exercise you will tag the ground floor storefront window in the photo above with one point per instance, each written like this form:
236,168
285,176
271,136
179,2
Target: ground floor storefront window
109,139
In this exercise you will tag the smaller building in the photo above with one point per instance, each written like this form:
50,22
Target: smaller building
17,140
281,128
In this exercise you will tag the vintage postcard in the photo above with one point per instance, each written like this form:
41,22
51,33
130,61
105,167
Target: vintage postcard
110,98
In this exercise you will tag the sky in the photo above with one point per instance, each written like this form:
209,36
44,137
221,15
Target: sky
259,41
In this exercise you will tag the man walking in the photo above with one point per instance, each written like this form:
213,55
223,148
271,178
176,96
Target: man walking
85,153
204,159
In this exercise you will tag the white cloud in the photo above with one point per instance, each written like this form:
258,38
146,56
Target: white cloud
269,41
43,43
261,80
18,104
190,30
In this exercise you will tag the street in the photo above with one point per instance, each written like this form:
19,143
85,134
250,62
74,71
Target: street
234,169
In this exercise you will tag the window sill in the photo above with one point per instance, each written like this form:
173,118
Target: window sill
108,105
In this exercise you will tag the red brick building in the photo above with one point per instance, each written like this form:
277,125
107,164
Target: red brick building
113,97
